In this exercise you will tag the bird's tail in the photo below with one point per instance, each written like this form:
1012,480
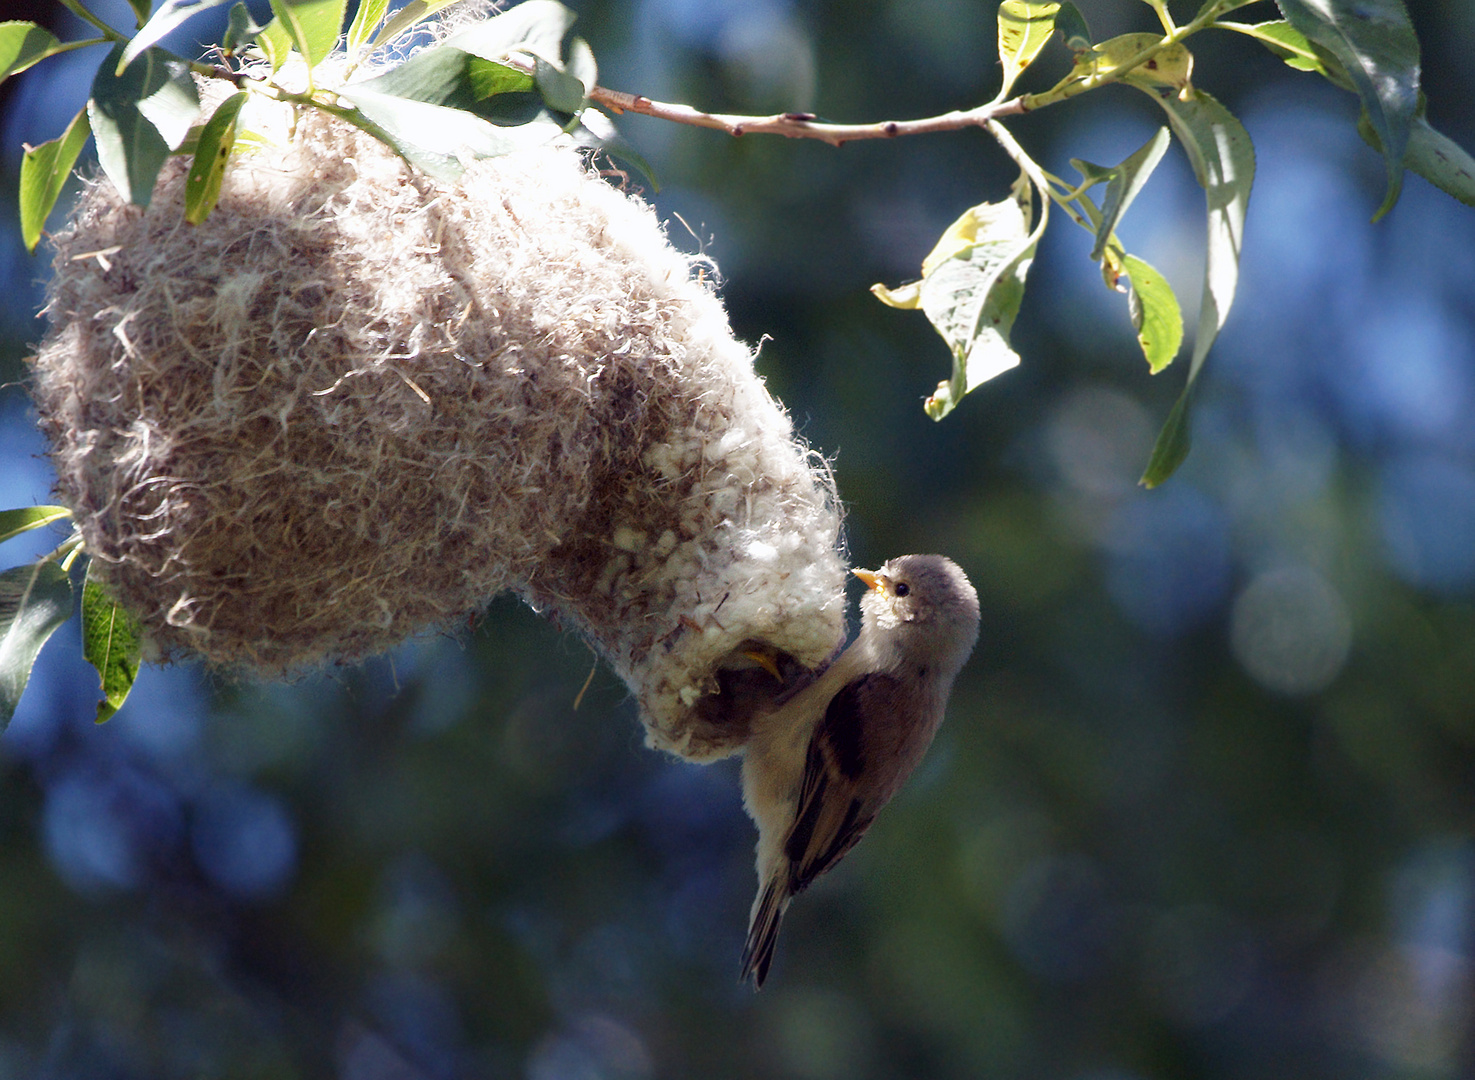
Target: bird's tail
768,912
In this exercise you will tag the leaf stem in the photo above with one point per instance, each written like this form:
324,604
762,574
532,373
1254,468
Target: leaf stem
77,8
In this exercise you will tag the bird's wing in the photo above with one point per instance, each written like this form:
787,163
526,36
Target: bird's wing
834,812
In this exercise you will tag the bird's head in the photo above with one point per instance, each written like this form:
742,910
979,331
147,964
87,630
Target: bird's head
922,598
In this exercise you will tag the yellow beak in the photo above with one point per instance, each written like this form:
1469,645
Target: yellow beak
872,580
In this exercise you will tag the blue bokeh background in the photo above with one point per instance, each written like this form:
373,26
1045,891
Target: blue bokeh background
1205,802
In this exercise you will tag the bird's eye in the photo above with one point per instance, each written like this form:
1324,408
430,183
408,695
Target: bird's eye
902,588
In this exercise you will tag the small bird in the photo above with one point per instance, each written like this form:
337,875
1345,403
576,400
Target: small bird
819,766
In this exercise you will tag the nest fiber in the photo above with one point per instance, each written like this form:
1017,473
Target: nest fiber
357,403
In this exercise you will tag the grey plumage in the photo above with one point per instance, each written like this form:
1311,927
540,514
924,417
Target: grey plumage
821,764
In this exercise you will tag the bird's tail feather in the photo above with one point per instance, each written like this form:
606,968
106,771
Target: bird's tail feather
763,933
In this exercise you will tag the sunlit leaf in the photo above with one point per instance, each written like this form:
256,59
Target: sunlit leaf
436,139
1223,160
1156,316
416,11
448,76
1172,66
112,642
313,25
1025,27
275,44
139,116
241,30
1123,182
1155,313
581,66
171,13
43,173
212,154
536,27
369,14
23,44
34,601
26,518
1288,43
1376,44
971,290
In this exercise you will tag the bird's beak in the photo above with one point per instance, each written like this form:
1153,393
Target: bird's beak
872,580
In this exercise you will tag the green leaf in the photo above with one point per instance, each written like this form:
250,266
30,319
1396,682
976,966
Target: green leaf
15,522
241,30
140,10
1156,316
1286,42
1376,44
34,601
1155,313
488,79
369,14
1172,444
212,152
43,173
1434,156
139,116
313,25
1441,161
23,44
448,76
436,139
414,12
275,44
1025,27
561,91
171,13
971,289
112,642
1123,183
535,27
1223,160
1073,29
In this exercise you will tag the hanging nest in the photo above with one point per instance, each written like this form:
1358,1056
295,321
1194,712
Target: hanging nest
357,403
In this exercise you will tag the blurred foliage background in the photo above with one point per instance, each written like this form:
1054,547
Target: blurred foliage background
1203,806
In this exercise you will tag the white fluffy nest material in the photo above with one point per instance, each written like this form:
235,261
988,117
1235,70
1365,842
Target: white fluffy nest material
357,403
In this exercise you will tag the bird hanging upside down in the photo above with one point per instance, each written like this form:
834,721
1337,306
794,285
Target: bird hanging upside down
820,765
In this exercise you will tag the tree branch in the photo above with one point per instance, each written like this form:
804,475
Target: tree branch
795,125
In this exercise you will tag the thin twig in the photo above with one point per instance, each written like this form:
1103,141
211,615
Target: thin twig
795,125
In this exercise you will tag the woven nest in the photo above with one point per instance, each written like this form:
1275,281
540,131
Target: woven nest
357,403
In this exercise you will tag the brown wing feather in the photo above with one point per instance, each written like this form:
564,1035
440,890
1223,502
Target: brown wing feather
831,817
